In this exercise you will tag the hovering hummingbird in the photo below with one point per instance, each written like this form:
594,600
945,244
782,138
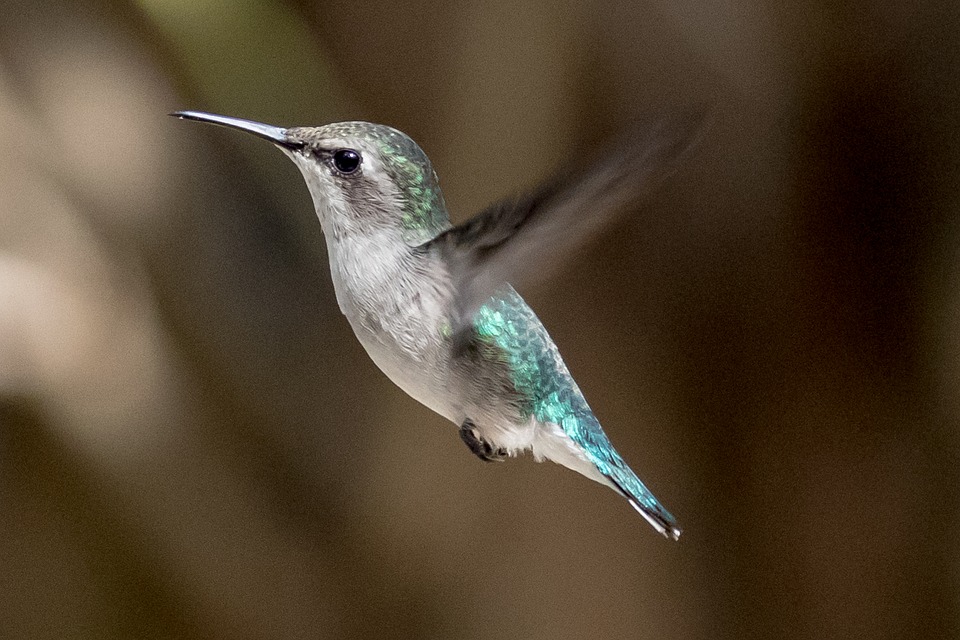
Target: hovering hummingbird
431,303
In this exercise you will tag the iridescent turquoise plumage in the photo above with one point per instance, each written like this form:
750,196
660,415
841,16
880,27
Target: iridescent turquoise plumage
550,393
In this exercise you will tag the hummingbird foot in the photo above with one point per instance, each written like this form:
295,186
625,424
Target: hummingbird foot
480,447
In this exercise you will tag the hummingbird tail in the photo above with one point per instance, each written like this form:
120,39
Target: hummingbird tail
651,510
666,526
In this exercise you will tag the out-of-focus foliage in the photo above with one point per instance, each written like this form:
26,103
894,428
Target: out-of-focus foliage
193,445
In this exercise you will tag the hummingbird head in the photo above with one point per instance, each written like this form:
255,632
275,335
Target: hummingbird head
364,178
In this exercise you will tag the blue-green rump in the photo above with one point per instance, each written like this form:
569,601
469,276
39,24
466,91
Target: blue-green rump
548,390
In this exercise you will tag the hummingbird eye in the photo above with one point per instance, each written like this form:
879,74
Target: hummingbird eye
346,160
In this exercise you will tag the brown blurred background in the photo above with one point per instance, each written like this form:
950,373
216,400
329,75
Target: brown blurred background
193,444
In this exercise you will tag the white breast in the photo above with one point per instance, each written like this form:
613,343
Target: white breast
396,308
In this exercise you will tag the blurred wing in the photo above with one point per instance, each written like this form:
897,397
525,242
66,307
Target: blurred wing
526,238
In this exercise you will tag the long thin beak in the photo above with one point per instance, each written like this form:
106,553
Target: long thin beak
276,135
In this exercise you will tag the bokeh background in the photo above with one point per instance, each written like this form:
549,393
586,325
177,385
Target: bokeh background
193,444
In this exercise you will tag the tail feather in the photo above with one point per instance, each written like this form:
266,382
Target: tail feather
665,525
649,507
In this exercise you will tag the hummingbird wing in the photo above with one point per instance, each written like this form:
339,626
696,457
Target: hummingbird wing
525,238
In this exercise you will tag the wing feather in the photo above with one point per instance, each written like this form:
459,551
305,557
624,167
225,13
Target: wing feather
527,237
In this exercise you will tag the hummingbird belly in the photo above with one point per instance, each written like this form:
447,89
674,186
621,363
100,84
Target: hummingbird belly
407,345
422,378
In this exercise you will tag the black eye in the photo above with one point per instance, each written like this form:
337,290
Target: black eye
346,160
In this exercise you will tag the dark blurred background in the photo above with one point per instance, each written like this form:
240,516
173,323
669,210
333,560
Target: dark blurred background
193,444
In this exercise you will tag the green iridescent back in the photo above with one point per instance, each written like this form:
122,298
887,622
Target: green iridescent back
548,390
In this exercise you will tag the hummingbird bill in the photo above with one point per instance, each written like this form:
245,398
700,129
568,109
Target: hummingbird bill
434,304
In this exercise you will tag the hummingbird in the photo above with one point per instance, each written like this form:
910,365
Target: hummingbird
433,303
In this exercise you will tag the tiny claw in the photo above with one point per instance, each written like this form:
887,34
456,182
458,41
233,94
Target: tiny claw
478,446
